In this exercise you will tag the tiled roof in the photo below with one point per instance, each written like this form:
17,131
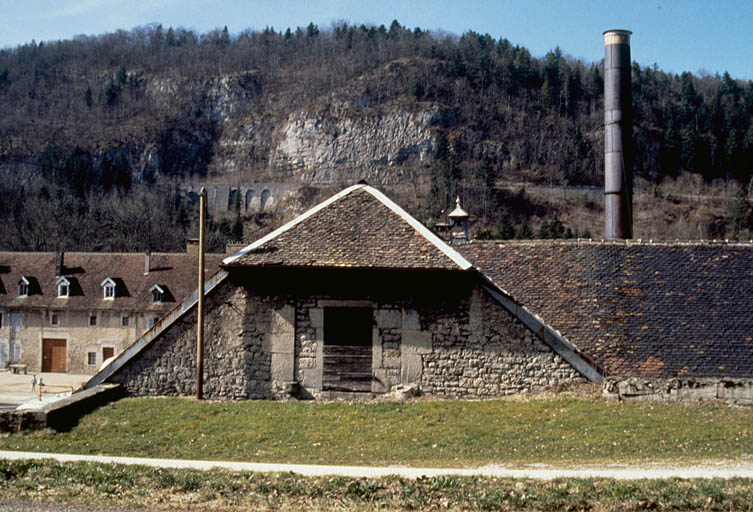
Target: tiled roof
360,228
656,310
175,273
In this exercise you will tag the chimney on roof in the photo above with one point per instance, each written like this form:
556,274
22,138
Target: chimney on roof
59,265
458,223
618,127
192,246
147,262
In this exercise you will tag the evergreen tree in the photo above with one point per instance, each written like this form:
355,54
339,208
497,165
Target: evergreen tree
739,216
524,232
505,229
111,93
312,30
224,40
88,97
122,75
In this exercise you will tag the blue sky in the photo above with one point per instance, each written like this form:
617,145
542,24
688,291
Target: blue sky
712,36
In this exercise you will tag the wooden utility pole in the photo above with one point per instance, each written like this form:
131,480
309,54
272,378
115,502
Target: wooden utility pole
200,304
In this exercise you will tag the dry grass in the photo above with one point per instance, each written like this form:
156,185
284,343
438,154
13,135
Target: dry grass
134,486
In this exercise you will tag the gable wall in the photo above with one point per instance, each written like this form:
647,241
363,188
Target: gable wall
236,357
264,340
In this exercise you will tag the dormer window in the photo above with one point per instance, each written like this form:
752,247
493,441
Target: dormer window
64,287
108,288
158,294
23,287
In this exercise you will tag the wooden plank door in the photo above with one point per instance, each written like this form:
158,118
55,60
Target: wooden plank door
347,349
107,353
54,356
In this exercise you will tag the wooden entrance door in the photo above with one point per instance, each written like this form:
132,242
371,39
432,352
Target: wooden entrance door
347,349
54,356
107,353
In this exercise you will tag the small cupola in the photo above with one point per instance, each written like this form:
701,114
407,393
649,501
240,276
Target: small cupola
458,223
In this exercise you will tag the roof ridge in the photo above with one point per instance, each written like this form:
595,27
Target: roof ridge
440,244
457,258
626,243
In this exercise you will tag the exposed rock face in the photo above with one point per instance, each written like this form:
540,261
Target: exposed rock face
343,141
345,144
222,97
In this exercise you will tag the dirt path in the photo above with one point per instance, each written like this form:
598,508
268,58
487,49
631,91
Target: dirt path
706,469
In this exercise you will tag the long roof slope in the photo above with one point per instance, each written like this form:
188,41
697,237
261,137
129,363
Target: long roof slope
359,227
175,273
652,310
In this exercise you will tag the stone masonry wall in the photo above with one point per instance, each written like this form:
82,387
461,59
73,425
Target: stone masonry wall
679,389
237,357
475,348
480,349
259,346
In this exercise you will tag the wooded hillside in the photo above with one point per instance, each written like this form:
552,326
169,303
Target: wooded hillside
85,123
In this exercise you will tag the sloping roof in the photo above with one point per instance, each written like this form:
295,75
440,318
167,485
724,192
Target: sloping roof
656,310
87,271
360,228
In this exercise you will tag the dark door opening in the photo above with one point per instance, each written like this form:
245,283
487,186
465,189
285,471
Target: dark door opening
347,349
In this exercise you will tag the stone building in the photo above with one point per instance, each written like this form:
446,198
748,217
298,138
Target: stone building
69,312
353,296
356,296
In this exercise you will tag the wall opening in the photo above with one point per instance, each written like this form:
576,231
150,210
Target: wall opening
347,349
54,356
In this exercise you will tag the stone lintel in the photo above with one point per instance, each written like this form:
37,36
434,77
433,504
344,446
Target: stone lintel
335,303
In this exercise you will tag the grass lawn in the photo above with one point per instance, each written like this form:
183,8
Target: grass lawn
564,430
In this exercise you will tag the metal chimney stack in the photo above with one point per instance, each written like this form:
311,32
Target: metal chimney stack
618,145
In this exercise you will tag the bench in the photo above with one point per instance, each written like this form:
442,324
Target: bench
18,368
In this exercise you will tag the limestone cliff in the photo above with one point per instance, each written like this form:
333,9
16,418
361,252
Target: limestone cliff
339,140
345,144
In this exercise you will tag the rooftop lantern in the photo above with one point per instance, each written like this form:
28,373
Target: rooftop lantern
458,223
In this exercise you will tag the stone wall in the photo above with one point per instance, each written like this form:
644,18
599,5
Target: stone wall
236,358
265,345
685,390
482,350
60,415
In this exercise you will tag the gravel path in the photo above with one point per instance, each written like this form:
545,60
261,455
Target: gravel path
722,469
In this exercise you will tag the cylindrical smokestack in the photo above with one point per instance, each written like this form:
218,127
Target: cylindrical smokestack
618,127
